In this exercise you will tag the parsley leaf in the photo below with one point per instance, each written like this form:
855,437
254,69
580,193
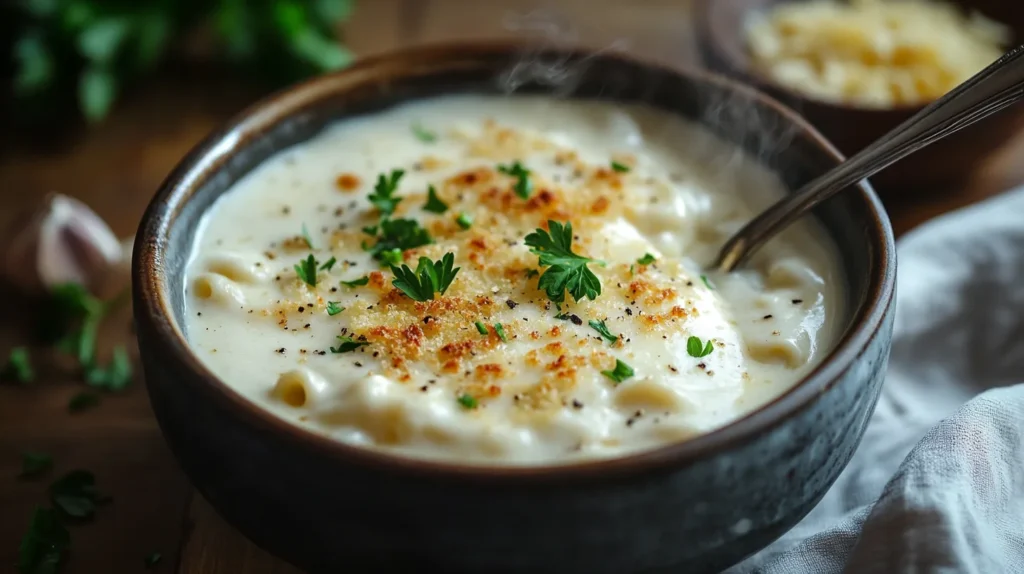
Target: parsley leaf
348,344
383,196
396,234
467,401
430,277
707,283
566,270
115,376
500,330
464,220
306,270
481,328
647,259
152,560
43,547
392,256
329,264
83,401
19,368
34,464
523,186
423,134
696,349
75,494
333,308
357,282
434,203
306,238
620,373
620,167
602,330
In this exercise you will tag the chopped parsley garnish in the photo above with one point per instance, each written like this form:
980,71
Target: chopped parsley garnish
83,401
34,464
152,560
77,316
434,203
620,373
647,259
523,186
19,368
306,238
697,349
430,277
619,167
396,235
306,270
707,283
348,344
115,376
75,494
467,401
334,307
566,270
383,196
357,282
500,330
531,273
423,134
329,264
602,330
464,220
43,547
392,256
481,328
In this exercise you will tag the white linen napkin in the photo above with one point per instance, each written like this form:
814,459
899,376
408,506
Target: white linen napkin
937,485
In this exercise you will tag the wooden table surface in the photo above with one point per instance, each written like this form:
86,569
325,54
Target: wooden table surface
116,167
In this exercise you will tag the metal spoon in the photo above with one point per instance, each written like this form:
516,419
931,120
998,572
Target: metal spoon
994,88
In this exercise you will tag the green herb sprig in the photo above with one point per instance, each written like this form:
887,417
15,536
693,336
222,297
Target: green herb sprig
524,185
348,344
429,278
620,373
602,330
567,271
434,203
91,51
698,349
383,196
396,235
306,270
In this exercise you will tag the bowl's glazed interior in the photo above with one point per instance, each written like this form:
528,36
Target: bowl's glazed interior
696,506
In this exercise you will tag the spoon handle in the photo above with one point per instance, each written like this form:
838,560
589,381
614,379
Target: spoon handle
994,88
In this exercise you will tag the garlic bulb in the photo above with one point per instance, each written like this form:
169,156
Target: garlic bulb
63,241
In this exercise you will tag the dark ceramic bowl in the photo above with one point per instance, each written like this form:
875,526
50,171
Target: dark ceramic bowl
944,165
697,506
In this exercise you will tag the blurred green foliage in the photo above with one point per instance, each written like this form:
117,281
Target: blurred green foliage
95,48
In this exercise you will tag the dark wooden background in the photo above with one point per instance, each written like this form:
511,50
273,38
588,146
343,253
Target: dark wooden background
116,167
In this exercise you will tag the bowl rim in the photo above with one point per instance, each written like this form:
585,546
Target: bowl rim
709,35
154,315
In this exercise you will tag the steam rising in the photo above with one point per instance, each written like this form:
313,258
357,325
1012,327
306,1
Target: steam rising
546,29
731,116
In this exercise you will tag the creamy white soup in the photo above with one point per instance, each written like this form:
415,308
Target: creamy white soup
506,280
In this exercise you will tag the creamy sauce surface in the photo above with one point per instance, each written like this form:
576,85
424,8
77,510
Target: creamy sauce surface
493,371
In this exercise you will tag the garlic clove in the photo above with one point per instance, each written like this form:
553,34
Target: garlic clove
63,241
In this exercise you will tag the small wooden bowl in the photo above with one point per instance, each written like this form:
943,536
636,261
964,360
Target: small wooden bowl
943,165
